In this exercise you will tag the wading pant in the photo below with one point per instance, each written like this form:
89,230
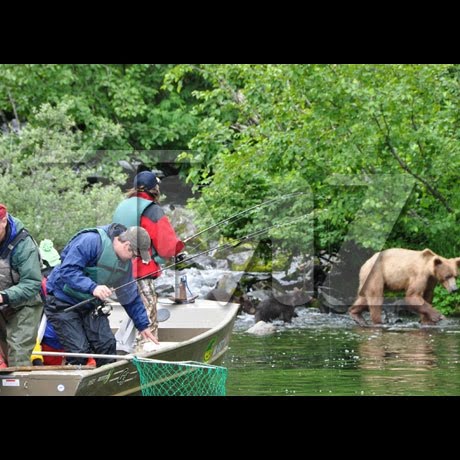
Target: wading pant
18,334
81,332
149,298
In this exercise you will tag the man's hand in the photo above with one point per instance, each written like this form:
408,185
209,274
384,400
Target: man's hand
3,306
7,311
147,334
102,292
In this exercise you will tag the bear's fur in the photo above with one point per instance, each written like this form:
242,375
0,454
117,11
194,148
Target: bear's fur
282,306
397,269
270,309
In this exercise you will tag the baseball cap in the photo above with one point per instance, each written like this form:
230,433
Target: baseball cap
48,253
3,211
145,180
140,242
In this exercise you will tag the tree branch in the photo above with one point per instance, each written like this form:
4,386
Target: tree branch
10,97
433,191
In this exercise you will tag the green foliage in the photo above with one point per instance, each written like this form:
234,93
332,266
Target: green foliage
268,130
131,96
372,151
447,303
43,180
77,120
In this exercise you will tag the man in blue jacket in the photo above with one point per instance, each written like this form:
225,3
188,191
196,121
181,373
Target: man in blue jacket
93,260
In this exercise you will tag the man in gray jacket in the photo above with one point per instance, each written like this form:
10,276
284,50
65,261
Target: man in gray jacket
20,281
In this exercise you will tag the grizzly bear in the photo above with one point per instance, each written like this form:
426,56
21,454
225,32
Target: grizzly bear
281,306
415,272
271,309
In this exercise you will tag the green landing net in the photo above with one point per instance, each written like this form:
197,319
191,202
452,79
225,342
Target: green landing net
184,378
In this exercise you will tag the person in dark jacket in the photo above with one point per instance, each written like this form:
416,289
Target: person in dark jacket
93,260
141,207
20,281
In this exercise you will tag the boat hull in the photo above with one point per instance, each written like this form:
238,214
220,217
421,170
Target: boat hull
197,332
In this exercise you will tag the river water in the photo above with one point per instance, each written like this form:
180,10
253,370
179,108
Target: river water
326,354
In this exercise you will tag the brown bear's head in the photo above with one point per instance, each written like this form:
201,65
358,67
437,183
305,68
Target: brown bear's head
446,270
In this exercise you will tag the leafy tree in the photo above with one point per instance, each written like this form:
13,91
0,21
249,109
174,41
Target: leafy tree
131,96
44,174
269,129
256,132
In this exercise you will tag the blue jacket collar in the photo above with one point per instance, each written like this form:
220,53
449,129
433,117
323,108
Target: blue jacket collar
11,232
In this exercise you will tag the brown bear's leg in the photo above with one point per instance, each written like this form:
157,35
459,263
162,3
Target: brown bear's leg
375,309
357,309
428,295
428,314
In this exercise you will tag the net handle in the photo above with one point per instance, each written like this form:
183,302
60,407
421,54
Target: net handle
183,363
120,357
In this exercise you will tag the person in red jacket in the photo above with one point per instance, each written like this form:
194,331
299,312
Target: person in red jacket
142,207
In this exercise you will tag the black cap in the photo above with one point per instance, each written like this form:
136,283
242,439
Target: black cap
145,180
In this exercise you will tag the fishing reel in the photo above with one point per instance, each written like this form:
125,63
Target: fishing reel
104,309
179,260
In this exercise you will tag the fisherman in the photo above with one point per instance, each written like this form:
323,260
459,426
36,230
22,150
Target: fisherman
93,260
141,207
20,278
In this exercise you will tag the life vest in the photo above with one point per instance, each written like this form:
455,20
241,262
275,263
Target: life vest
108,270
8,276
129,212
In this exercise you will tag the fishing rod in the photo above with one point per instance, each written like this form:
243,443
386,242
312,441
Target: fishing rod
241,213
223,246
216,248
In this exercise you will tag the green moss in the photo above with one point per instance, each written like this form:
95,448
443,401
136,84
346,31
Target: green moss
315,303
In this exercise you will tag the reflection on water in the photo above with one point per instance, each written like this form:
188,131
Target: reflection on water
314,356
411,349
400,361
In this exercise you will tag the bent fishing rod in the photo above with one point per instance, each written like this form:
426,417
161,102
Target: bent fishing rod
240,213
216,248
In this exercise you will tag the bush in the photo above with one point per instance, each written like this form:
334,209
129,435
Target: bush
447,303
43,177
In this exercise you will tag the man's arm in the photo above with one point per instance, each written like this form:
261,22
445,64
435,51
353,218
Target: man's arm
26,262
82,253
163,236
131,300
